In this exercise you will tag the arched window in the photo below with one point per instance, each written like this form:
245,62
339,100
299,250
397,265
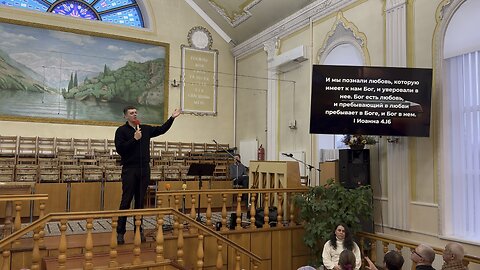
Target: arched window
125,12
461,123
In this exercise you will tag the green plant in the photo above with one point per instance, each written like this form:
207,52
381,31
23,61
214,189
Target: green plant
324,207
358,140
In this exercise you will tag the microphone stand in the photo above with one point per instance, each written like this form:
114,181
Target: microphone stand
310,167
237,162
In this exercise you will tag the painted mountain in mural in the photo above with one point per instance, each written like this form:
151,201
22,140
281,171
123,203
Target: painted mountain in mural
135,83
17,77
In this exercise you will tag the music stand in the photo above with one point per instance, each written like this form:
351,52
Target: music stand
200,169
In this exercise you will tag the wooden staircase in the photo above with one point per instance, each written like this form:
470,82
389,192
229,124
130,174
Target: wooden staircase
101,256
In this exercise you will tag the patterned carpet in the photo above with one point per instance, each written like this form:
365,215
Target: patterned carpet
105,225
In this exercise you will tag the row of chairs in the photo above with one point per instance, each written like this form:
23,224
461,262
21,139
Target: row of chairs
57,173
22,146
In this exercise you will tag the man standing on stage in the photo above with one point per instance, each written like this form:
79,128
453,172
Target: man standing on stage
132,142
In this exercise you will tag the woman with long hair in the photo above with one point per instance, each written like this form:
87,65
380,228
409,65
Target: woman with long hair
340,240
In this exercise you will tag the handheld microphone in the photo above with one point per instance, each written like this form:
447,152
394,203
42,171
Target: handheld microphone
137,123
287,155
215,141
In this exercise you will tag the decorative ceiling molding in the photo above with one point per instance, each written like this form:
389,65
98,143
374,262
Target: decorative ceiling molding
299,19
344,32
235,17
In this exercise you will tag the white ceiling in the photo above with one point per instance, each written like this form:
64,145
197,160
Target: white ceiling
243,19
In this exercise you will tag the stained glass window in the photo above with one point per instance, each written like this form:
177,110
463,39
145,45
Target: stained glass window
125,12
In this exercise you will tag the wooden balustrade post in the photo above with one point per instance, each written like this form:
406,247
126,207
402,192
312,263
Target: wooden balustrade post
17,225
137,241
200,252
239,212
159,239
224,212
41,215
292,211
6,260
193,215
280,210
237,260
175,218
266,211
373,254
89,246
159,202
113,244
253,211
180,243
208,214
62,246
219,263
36,250
385,247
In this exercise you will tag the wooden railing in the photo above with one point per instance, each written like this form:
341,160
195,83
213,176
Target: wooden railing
37,227
18,200
259,199
385,241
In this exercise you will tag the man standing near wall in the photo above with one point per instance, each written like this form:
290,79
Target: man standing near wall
132,142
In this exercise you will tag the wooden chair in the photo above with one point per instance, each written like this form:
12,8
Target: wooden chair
7,173
4,161
173,147
48,174
98,144
8,146
92,173
113,173
26,173
168,155
199,147
82,148
156,148
71,173
27,150
210,147
46,147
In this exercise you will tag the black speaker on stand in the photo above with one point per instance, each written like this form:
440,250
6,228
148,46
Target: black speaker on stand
355,172
354,167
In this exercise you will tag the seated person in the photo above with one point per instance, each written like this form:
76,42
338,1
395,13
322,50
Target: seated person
239,173
340,240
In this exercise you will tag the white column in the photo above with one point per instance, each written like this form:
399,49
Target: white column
271,47
398,169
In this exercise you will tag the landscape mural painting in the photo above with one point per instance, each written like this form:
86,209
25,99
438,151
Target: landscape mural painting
55,76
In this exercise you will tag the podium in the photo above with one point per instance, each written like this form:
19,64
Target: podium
200,169
274,174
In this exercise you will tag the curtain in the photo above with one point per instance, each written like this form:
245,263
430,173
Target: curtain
461,129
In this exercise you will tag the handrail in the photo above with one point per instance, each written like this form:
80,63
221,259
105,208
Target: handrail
397,242
117,213
230,191
23,197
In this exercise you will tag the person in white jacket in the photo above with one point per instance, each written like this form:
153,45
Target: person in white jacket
340,239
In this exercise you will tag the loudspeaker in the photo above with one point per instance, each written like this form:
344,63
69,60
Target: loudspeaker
272,217
354,167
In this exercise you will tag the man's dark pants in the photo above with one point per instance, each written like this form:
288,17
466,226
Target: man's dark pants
134,186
